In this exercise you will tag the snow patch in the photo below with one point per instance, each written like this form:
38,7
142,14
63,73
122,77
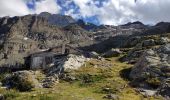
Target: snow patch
25,38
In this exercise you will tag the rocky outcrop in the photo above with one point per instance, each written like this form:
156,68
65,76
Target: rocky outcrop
56,19
137,45
66,63
164,40
153,69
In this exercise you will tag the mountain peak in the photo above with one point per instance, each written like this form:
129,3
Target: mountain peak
57,19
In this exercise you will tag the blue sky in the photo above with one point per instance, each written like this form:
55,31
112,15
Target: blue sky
110,12
66,7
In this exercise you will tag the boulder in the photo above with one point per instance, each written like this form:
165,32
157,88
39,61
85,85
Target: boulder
147,93
48,82
94,55
150,42
164,40
132,56
146,62
164,89
74,61
112,53
69,62
153,69
22,80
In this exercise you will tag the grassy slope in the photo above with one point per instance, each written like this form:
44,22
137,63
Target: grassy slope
103,77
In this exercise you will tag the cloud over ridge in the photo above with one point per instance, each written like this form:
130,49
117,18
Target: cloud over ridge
111,12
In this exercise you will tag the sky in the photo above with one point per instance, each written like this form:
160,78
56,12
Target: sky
109,12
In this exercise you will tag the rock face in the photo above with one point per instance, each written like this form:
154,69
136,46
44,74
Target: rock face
56,19
153,68
21,36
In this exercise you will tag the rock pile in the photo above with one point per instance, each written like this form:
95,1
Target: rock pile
74,61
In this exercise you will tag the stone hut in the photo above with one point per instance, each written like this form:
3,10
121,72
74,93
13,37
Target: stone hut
42,60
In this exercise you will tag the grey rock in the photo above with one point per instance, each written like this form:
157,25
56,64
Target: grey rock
111,97
165,49
94,55
22,80
2,97
164,40
153,70
150,42
164,89
56,19
132,41
48,82
147,93
112,53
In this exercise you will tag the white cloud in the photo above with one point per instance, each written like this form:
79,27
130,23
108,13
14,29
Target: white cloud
123,11
13,8
112,12
47,6
19,7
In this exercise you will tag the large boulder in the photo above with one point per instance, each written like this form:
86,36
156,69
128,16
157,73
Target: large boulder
69,62
74,61
152,68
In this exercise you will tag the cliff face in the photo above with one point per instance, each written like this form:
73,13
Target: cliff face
56,19
21,36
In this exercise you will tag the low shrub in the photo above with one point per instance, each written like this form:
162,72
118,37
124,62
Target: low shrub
21,82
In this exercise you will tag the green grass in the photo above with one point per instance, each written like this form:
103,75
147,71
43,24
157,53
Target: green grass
92,83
